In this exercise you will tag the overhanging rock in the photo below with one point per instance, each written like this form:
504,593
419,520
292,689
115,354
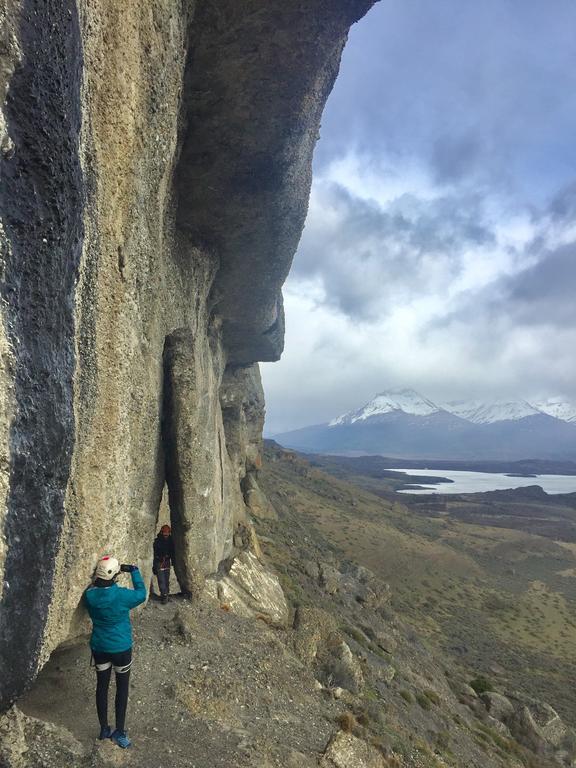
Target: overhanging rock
258,76
155,162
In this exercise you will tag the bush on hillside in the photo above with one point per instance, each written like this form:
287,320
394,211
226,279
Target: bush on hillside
481,684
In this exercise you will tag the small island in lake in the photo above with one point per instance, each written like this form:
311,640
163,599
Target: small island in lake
520,474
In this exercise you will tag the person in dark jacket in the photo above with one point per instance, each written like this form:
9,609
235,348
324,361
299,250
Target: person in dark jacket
163,559
109,607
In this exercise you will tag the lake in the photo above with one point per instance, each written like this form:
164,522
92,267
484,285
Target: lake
478,482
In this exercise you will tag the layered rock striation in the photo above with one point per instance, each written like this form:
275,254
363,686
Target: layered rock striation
155,161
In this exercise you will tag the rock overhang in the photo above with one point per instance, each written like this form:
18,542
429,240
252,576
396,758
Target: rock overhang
257,77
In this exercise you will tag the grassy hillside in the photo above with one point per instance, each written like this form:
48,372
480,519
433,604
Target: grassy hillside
487,578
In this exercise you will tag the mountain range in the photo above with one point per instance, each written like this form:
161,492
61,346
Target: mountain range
405,424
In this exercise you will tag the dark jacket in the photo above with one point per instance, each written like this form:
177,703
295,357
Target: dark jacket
163,553
109,608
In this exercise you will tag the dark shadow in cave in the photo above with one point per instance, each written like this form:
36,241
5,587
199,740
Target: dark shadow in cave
160,551
177,343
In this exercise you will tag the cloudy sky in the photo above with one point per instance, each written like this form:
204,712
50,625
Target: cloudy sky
440,247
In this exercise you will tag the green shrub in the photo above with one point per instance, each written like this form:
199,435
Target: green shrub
504,744
370,694
423,700
432,696
407,696
481,684
356,634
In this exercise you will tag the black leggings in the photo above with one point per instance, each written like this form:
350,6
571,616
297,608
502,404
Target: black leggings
104,663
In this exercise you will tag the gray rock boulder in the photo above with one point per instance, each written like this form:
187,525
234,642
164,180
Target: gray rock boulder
498,726
250,590
312,628
329,578
256,501
381,633
346,751
356,584
497,705
464,689
342,669
311,569
385,673
538,726
26,742
360,586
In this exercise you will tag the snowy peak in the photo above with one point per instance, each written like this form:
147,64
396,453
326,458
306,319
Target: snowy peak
558,408
404,400
479,412
410,402
403,424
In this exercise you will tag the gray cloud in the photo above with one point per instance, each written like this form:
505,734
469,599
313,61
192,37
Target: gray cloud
368,258
563,205
487,89
546,291
455,157
461,283
541,293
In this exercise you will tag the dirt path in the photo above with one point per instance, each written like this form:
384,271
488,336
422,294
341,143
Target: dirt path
214,690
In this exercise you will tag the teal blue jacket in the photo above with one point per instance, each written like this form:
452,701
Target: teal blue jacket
109,609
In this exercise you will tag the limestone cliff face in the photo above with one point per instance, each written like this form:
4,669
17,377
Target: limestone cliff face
155,162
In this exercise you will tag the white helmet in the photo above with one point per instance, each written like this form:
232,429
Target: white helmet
107,567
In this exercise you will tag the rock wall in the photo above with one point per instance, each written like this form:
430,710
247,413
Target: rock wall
155,161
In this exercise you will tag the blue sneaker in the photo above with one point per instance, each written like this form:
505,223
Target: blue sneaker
120,738
105,732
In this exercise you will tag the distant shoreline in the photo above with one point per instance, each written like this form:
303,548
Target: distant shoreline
522,468
466,482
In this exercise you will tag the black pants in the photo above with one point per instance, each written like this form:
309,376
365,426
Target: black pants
163,577
104,663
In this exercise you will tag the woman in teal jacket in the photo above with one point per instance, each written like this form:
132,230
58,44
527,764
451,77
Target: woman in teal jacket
109,607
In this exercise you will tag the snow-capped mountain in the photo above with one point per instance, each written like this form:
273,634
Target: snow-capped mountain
404,400
479,412
558,408
476,411
404,424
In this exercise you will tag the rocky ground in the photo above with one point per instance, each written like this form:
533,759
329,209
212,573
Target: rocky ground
209,688
340,681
